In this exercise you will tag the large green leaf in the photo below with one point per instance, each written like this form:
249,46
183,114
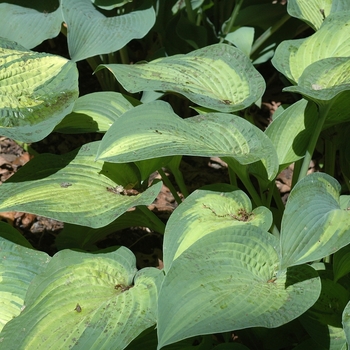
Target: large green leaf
228,280
331,40
290,132
27,26
346,322
324,80
18,267
94,112
74,188
313,225
219,77
86,301
154,130
36,91
90,33
310,11
205,211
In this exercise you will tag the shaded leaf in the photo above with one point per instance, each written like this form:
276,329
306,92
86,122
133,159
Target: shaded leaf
290,132
219,77
36,91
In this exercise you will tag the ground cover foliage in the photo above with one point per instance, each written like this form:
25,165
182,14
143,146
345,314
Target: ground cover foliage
241,269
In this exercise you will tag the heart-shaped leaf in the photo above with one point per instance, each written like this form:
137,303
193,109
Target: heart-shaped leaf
90,33
19,265
94,112
313,224
37,91
312,12
74,188
219,77
59,310
154,130
331,40
28,26
228,280
205,211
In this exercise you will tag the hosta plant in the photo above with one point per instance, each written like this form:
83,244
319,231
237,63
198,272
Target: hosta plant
237,262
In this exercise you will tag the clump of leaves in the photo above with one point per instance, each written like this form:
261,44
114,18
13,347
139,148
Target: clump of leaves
234,257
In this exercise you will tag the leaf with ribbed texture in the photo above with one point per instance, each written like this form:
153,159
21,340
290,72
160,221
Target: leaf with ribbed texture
18,267
154,130
292,57
290,132
229,280
94,112
313,225
74,188
205,211
28,27
323,80
86,301
37,90
219,77
310,11
90,33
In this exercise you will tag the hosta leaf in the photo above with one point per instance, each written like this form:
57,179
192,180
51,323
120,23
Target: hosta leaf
331,40
290,132
86,301
219,77
8,232
206,211
341,263
18,267
310,11
242,38
228,280
36,91
324,80
94,112
313,225
74,188
90,33
154,130
27,26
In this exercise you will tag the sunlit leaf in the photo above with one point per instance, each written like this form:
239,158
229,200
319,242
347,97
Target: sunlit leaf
37,91
219,77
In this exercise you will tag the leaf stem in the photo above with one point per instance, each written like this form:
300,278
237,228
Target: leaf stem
190,12
159,224
322,114
264,36
168,184
233,17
